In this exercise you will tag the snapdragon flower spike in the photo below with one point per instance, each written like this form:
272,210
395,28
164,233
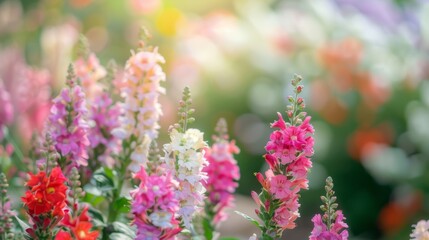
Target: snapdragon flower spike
288,157
154,206
420,231
223,174
331,225
184,156
103,118
89,70
68,126
6,214
141,110
45,201
6,110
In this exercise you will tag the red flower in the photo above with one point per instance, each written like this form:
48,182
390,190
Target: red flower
46,194
61,235
79,227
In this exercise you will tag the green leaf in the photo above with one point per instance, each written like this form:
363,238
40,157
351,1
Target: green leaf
101,183
250,219
23,226
208,229
122,228
119,236
122,205
97,217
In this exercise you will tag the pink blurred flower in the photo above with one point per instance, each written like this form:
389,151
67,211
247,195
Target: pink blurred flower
103,118
145,6
89,72
337,231
6,110
223,174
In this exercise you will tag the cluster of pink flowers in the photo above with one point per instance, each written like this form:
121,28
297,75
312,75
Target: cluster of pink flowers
68,126
222,175
141,110
155,206
337,230
29,94
104,115
89,72
288,152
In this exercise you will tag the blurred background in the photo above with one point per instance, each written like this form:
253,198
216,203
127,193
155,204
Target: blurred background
365,66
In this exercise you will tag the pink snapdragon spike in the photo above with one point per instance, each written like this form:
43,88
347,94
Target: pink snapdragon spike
223,174
6,110
154,206
68,126
141,89
331,225
420,231
104,117
90,72
288,157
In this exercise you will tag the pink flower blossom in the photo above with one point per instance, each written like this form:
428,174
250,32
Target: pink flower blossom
222,173
141,110
338,230
89,72
6,110
68,126
280,186
103,118
154,206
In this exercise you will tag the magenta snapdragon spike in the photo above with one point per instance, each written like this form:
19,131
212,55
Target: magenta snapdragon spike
68,126
154,206
288,157
331,225
104,117
223,174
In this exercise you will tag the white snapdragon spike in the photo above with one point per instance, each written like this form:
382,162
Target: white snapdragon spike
141,110
185,157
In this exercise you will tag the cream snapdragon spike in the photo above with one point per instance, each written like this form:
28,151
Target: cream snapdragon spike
420,231
184,156
223,174
154,206
288,156
141,109
68,126
331,225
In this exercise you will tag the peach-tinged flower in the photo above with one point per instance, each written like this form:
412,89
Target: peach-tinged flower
141,110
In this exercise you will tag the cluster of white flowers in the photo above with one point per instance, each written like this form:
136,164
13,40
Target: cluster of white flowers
185,157
141,109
